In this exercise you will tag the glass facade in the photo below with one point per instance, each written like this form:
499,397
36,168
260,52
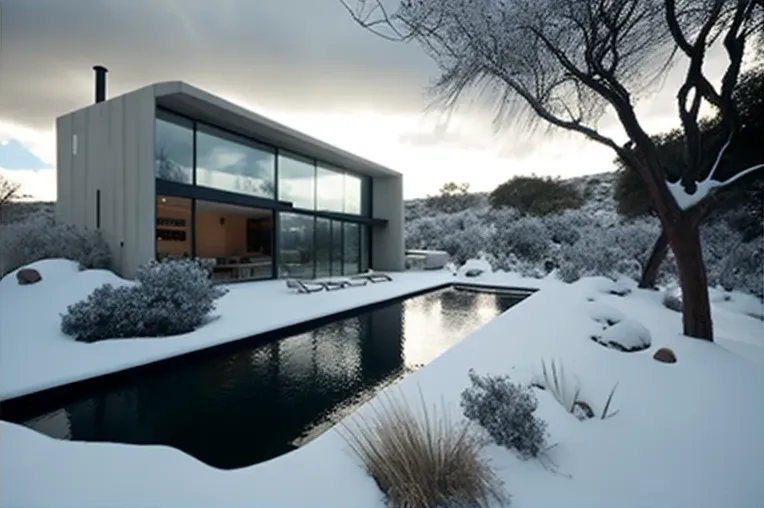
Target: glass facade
323,247
353,202
225,162
297,250
235,241
351,254
297,181
330,189
174,148
321,238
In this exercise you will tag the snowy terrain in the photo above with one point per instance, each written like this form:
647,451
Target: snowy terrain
248,309
590,241
686,434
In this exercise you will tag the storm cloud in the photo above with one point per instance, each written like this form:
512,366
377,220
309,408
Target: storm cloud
279,54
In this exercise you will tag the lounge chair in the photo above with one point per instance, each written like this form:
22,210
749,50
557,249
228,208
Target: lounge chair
372,277
340,282
305,286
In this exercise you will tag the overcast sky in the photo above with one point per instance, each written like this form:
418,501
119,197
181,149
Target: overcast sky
302,62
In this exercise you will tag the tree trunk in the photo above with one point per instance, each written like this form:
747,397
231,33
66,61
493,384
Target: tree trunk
658,254
684,239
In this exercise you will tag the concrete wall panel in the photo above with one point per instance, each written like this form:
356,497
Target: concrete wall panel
387,243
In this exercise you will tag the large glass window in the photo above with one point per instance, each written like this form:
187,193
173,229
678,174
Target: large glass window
296,245
353,194
330,191
174,148
235,241
297,181
323,247
365,245
226,162
173,227
352,249
336,248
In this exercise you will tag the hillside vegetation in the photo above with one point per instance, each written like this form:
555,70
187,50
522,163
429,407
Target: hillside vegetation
581,233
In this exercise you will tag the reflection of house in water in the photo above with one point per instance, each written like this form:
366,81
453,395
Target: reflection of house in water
237,409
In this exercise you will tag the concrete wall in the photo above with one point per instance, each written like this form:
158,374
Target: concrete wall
387,243
109,147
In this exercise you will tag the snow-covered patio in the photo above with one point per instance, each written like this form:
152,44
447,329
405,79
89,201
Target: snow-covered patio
686,434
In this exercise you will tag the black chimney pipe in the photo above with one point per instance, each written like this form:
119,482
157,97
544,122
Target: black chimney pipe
100,84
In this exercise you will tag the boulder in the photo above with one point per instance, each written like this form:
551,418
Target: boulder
665,355
27,276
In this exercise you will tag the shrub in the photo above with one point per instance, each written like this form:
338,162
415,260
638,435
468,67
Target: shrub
536,196
171,297
505,411
631,194
564,228
525,237
423,460
39,237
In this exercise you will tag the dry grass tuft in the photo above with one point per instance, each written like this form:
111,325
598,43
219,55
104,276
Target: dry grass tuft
423,460
565,390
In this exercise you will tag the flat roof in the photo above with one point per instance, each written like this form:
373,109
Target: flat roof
196,103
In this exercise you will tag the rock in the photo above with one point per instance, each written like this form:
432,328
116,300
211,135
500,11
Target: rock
473,272
582,410
665,355
27,276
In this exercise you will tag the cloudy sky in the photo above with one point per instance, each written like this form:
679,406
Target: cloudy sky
301,62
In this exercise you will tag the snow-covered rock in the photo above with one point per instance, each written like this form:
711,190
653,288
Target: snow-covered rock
627,335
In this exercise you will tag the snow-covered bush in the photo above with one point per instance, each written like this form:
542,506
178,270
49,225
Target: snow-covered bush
39,237
743,268
505,410
525,237
608,251
171,297
731,262
564,227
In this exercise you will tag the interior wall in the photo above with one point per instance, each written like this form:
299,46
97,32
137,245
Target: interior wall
211,236
175,208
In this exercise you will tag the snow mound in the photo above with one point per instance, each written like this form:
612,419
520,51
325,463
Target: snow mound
743,303
475,264
627,335
603,285
672,299
605,314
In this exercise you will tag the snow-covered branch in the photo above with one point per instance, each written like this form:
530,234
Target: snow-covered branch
704,188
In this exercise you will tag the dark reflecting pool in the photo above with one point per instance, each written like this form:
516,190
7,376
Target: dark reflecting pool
236,409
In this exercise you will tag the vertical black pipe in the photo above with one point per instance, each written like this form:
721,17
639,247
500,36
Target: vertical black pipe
100,83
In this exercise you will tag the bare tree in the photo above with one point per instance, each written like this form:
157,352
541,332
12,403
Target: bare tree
10,191
568,62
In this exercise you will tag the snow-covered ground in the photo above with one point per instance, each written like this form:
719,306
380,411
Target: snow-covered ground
36,355
686,434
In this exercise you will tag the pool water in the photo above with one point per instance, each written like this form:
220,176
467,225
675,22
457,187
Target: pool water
232,410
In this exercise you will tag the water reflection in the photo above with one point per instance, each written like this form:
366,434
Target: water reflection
237,409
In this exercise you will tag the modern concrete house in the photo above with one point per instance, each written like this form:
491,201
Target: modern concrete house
170,170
